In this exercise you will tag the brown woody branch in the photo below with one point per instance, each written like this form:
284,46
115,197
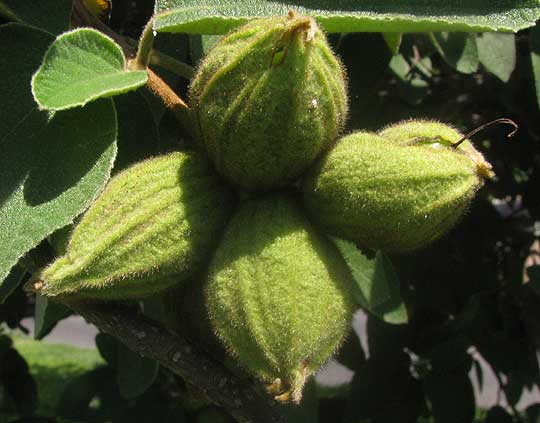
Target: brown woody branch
242,400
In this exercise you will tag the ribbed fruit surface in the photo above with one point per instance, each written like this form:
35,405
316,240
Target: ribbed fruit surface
385,195
153,226
415,132
268,99
278,294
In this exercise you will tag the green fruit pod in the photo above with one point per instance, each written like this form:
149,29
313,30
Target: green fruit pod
434,133
153,226
267,100
395,196
278,294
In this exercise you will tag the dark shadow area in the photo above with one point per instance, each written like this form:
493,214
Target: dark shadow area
73,142
21,52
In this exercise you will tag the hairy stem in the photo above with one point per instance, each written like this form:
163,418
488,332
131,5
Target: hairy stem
171,64
242,400
171,100
145,46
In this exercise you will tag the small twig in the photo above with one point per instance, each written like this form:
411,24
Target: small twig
140,334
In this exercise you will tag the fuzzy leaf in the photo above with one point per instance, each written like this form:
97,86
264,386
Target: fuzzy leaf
393,40
47,315
219,16
51,167
458,49
50,15
498,414
535,58
17,382
497,53
134,374
80,66
377,281
107,346
451,396
11,283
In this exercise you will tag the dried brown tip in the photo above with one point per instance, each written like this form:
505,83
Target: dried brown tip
300,24
487,125
282,392
484,169
275,388
284,398
34,285
291,390
296,25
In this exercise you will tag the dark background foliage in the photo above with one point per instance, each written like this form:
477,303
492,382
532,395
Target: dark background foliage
475,292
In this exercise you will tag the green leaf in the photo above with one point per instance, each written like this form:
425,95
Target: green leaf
81,66
51,167
451,397
154,307
59,239
533,413
212,414
534,278
351,354
393,40
47,315
387,342
219,16
498,414
412,84
458,49
200,44
497,53
134,374
306,411
535,58
450,354
17,382
107,346
11,283
79,392
383,392
50,15
378,283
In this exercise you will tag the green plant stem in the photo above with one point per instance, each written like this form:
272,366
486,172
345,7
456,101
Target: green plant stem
140,334
145,47
171,64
